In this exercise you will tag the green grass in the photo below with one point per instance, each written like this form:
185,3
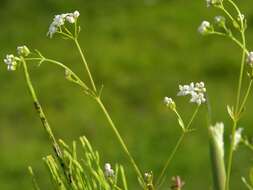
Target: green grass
140,52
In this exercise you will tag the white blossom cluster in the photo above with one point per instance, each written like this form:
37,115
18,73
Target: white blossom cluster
217,132
59,20
238,138
204,28
109,172
196,91
169,102
250,58
11,62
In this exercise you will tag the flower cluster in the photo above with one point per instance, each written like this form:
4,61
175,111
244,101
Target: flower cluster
238,138
169,102
109,172
11,62
59,20
217,132
196,91
205,28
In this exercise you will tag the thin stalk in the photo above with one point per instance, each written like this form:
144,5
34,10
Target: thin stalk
230,156
37,104
44,121
122,143
79,81
174,151
85,64
246,96
232,38
241,73
227,13
231,151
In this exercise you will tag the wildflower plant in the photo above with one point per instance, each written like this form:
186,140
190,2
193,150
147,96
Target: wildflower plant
69,171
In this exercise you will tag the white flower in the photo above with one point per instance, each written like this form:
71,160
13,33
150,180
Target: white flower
109,172
186,89
220,20
23,50
70,19
59,20
76,14
250,58
217,132
198,98
169,102
238,138
11,62
204,28
200,87
197,92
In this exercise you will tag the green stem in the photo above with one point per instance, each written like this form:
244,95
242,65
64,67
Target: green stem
232,38
245,97
79,81
227,13
44,121
122,143
241,73
174,151
85,64
230,156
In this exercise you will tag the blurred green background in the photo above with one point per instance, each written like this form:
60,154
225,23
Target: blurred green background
141,50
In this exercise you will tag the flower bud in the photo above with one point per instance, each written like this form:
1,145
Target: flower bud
250,59
205,28
220,21
23,51
169,103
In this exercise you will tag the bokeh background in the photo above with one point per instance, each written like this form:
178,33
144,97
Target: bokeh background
141,51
